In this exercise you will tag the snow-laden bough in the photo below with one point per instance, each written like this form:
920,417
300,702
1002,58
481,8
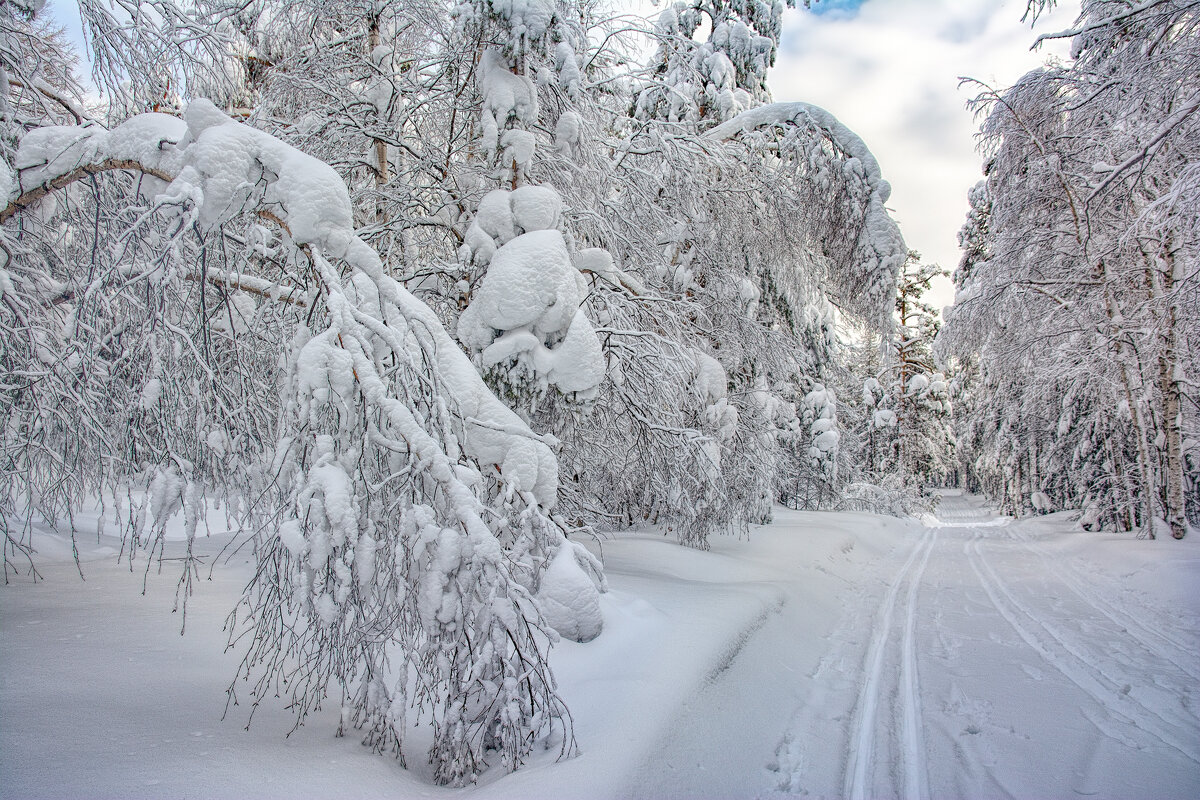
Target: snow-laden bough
406,598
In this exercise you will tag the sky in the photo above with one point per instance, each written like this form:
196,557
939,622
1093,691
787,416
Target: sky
889,69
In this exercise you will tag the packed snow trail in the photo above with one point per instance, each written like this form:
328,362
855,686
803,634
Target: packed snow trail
830,655
861,755
974,658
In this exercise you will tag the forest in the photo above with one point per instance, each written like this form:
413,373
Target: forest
425,297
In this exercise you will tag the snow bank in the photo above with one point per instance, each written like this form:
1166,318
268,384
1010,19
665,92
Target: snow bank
569,597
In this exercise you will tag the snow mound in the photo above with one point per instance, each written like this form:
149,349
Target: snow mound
569,598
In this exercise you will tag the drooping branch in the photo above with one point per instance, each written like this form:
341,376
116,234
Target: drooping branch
1070,33
1169,124
257,286
45,89
32,196
345,423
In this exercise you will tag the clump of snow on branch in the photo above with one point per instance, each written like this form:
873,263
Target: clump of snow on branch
720,417
507,98
524,320
820,412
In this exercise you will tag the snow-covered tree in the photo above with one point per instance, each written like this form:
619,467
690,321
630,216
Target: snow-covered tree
1075,293
919,390
177,346
712,80
250,298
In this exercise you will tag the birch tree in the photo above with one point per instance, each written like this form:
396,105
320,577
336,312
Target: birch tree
1075,288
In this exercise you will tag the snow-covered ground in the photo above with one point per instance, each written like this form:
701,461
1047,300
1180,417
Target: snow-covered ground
830,655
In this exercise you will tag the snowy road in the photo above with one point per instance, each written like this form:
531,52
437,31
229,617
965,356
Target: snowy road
830,655
980,660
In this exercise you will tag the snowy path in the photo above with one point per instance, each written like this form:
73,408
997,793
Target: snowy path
976,659
831,655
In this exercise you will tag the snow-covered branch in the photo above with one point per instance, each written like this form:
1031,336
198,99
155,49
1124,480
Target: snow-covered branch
1071,33
357,577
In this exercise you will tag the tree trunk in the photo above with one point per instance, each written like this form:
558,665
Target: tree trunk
382,167
1168,377
1145,471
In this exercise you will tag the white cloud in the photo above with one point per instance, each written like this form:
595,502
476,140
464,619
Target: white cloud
891,72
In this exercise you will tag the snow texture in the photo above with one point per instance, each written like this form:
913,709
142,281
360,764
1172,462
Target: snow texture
599,262
526,18
526,310
962,702
821,409
568,133
507,97
569,598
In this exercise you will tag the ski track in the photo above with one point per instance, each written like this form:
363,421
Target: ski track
1134,672
914,741
1167,648
1068,658
859,769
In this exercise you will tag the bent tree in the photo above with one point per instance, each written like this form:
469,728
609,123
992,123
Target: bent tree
362,463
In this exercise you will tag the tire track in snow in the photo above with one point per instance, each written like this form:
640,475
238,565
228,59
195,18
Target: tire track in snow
1115,701
858,771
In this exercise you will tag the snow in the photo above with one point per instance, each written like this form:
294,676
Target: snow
529,18
830,655
577,364
535,208
884,418
530,281
151,394
820,405
518,147
506,96
221,169
598,261
526,309
502,215
8,182
567,64
570,599
322,367
711,384
230,159
568,132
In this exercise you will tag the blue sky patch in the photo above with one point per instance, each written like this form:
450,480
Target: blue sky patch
838,8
